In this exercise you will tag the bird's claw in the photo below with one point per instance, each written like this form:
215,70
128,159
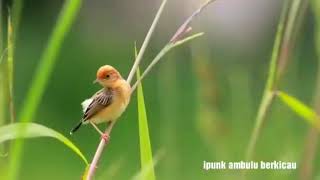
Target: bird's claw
105,137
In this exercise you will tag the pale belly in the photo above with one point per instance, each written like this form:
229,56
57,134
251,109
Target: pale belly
110,113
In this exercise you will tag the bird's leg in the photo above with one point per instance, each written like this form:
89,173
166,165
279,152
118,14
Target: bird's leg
104,136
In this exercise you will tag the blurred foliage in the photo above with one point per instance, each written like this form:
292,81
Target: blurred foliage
33,130
201,100
301,109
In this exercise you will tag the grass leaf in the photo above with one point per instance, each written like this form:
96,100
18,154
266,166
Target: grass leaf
10,63
48,59
300,108
33,130
85,174
42,76
144,138
163,52
270,85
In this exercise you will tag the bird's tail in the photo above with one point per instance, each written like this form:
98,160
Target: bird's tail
76,128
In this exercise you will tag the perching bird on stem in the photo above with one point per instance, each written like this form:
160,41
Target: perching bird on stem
109,103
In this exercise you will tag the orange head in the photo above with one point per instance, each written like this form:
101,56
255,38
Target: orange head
107,75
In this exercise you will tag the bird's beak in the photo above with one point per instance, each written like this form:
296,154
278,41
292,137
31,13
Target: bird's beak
95,81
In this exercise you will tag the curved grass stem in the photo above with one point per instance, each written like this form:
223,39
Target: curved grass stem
312,138
163,52
280,55
146,42
270,85
175,41
41,77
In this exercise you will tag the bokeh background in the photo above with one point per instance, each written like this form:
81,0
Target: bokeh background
201,99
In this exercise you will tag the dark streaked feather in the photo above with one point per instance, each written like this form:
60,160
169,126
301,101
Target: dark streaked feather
76,127
101,100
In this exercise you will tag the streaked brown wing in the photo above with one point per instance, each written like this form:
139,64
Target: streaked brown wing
101,100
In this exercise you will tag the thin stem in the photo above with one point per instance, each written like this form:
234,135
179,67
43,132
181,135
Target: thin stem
96,127
2,78
169,46
1,29
10,41
185,27
16,14
176,40
270,86
280,55
13,22
146,42
134,68
3,54
163,52
41,79
48,59
262,112
97,155
312,138
295,14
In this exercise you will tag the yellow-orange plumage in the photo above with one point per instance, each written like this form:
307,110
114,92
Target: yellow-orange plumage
110,102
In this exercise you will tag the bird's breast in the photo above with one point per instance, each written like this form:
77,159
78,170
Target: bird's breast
120,100
111,112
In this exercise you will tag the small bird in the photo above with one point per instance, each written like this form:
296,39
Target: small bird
109,103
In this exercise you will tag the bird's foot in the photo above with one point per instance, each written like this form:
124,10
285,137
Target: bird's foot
105,137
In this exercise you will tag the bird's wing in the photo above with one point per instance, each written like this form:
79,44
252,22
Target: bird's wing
85,104
100,100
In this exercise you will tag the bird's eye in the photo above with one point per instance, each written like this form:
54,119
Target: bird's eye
108,76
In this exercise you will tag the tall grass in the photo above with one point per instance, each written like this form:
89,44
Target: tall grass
10,72
284,43
144,136
280,55
268,94
7,60
146,42
2,78
310,149
45,69
33,130
177,39
133,70
13,23
41,77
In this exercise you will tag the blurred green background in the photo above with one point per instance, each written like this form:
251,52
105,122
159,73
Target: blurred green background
201,99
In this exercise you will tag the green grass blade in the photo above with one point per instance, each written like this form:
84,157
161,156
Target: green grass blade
310,149
48,59
267,97
33,130
42,76
162,53
13,23
144,138
300,108
16,15
10,41
185,40
316,10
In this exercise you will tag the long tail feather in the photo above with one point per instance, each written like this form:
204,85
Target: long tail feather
76,128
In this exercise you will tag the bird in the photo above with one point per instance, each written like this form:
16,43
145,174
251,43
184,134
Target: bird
107,104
